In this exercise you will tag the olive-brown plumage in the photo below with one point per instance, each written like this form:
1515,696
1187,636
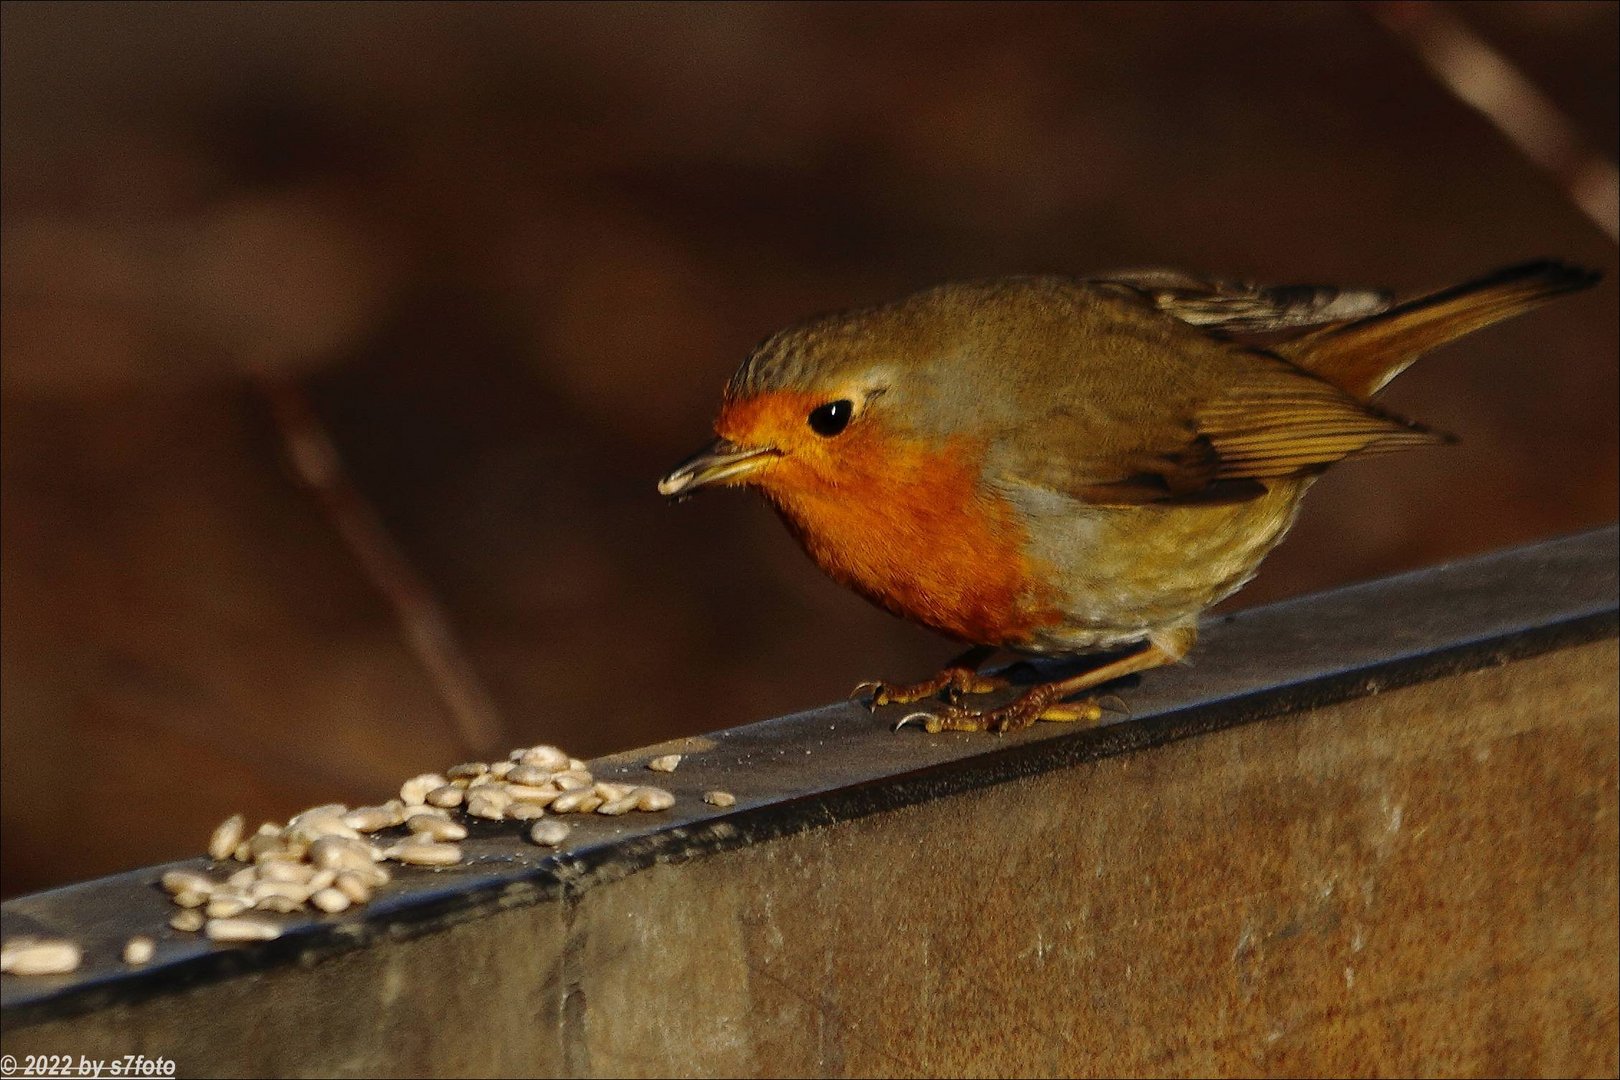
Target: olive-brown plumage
1057,466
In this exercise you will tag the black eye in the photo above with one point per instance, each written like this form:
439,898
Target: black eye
831,418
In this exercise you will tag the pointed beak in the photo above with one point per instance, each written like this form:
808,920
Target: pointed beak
719,462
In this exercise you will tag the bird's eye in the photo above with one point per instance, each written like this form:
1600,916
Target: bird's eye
829,419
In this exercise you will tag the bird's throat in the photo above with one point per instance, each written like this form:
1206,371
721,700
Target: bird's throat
911,528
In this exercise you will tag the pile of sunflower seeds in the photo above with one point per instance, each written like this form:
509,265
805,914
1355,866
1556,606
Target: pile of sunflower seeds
328,857
331,858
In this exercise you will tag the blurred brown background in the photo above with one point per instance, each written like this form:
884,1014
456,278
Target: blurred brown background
511,253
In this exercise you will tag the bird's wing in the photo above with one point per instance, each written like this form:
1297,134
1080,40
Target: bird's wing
1238,307
1268,421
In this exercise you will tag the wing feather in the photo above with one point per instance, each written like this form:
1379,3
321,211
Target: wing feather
1241,307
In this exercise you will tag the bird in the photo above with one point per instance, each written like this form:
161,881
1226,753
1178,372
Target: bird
1060,466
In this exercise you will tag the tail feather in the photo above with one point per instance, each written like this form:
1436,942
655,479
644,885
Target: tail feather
1360,357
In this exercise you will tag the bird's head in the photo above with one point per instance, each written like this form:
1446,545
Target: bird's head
815,407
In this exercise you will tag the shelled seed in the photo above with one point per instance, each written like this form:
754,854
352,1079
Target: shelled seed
446,796
414,791
545,757
188,921
139,949
532,775
488,804
244,928
719,798
339,853
175,882
330,900
653,799
572,802
436,828
370,819
622,805
226,836
295,872
664,763
549,832
224,906
39,956
425,854
353,886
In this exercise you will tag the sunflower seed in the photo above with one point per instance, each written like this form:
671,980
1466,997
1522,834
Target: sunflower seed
296,892
436,828
229,833
351,885
532,775
244,928
187,922
338,853
665,763
225,905
549,832
581,801
178,881
425,854
525,793
331,901
525,811
486,803
543,756
139,949
653,799
368,819
39,956
284,905
446,795
622,805
719,798
414,791
298,873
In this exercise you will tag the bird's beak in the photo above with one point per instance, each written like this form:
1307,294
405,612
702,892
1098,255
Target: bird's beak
720,461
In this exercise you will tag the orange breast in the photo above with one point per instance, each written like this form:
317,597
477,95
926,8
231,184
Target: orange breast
909,527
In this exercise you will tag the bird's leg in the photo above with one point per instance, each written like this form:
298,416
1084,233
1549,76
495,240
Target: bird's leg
960,676
1046,702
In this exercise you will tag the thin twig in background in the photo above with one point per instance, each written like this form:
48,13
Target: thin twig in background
427,630
1480,76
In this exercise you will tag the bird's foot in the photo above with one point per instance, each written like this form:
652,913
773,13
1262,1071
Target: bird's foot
955,681
1014,716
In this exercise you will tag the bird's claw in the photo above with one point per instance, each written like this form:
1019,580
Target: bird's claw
875,687
930,722
1113,703
1014,716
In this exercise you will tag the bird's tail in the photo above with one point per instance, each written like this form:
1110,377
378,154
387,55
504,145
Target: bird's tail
1360,357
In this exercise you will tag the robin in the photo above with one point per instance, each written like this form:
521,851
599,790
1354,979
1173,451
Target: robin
1057,466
